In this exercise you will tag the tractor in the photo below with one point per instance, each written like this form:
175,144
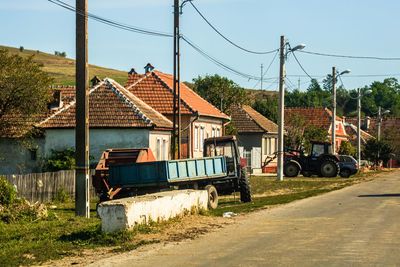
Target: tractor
321,161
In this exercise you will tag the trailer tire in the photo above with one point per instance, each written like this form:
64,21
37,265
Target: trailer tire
212,197
244,184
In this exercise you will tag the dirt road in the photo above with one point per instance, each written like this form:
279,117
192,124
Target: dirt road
358,225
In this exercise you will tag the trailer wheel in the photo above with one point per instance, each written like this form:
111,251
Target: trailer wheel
244,183
212,197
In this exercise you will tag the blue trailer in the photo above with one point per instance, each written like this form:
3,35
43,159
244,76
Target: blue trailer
123,173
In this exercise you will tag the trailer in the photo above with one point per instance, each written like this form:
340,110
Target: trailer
132,172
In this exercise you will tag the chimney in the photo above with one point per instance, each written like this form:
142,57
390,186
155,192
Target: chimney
57,100
132,71
95,81
148,68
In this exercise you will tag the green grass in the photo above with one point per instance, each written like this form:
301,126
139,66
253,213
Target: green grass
62,234
63,69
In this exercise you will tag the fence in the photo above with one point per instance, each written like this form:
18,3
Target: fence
42,187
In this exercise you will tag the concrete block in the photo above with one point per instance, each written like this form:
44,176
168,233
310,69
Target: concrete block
125,213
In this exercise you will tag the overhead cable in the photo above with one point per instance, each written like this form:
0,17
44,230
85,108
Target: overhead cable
354,57
227,39
269,66
110,22
217,62
298,62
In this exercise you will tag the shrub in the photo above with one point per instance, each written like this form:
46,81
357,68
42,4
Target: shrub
60,160
61,196
8,194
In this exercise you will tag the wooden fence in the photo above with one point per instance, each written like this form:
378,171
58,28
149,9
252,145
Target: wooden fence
43,187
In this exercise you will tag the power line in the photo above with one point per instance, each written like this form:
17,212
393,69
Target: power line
227,39
110,22
219,63
269,66
345,56
298,62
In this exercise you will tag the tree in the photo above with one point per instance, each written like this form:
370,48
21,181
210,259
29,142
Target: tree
377,151
24,92
220,91
347,149
267,107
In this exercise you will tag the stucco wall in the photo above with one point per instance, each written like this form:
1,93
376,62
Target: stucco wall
164,137
208,126
15,159
99,140
18,160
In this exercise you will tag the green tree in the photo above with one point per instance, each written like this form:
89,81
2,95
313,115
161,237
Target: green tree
313,133
347,149
220,91
24,92
267,107
377,151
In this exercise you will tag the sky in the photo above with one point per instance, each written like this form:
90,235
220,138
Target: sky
344,27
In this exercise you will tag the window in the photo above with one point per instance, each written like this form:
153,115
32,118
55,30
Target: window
158,149
201,138
267,145
318,149
165,149
213,132
33,153
218,132
196,138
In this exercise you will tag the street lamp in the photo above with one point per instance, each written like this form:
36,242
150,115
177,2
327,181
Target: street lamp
281,113
335,74
359,124
380,113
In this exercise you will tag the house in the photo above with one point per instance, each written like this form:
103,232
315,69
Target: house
320,117
257,137
117,119
200,119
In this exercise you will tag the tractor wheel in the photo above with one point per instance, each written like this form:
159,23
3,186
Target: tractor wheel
345,173
212,197
291,169
329,168
244,184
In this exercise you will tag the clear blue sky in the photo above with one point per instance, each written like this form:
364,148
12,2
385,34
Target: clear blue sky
349,27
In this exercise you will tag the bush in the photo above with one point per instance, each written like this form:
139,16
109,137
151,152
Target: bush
60,160
23,211
8,194
61,196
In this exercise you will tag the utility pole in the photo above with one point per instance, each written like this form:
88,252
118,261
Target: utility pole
262,76
379,122
333,110
176,106
281,113
82,113
359,128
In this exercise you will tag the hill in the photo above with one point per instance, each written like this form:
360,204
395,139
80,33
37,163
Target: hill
62,69
260,94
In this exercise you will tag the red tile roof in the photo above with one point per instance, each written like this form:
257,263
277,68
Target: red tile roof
319,117
110,105
156,89
247,120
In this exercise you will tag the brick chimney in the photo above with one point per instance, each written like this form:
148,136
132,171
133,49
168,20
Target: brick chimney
56,103
148,68
132,72
95,81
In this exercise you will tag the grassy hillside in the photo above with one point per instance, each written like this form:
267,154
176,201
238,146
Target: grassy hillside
63,69
260,94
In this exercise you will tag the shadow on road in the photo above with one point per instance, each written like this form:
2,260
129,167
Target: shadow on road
383,195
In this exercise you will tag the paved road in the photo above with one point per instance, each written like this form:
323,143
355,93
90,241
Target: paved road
357,226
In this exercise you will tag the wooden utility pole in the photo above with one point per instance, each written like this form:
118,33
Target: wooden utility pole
281,114
82,113
176,136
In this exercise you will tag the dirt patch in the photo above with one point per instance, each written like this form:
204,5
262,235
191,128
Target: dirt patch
187,228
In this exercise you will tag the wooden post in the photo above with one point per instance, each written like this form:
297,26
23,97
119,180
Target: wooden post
82,113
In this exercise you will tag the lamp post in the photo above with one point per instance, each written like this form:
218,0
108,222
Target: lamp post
281,113
359,96
379,119
333,130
